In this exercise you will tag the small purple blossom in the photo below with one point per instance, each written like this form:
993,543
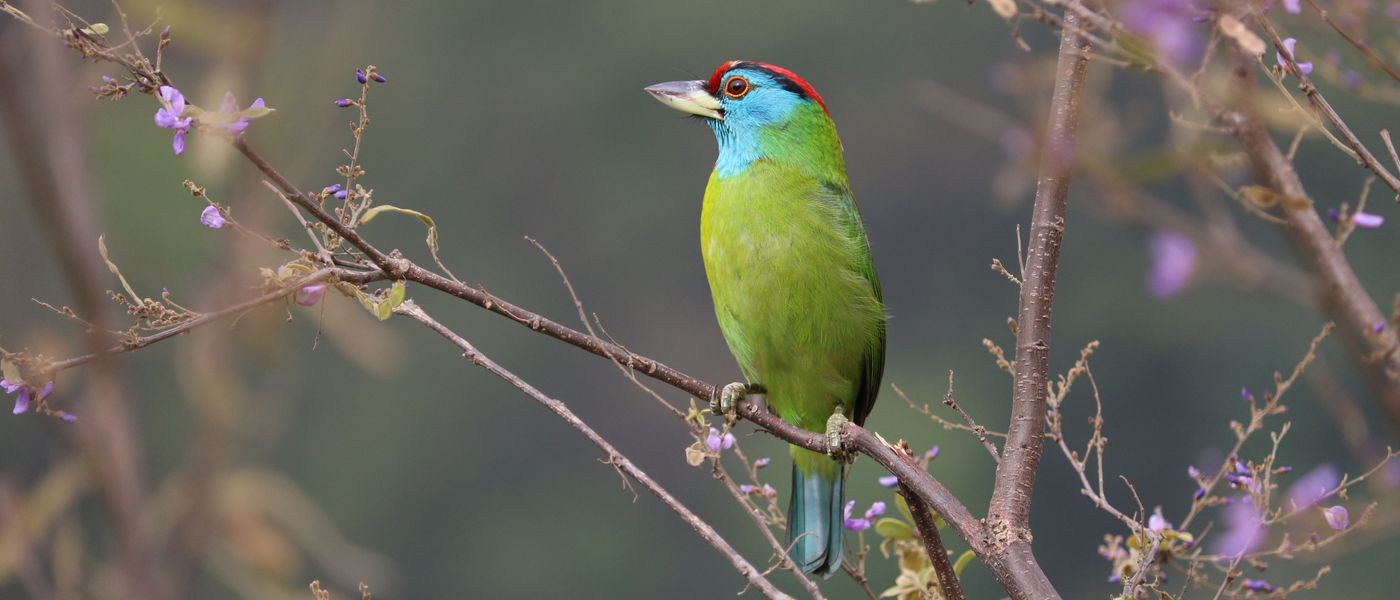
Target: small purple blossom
1173,258
858,524
1257,585
1246,395
864,522
108,80
66,416
311,294
1367,220
1158,523
932,453
768,492
1337,517
1378,327
345,103
716,442
378,78
889,481
24,395
1200,493
1293,7
211,217
1244,530
1352,80
360,76
747,489
1313,486
762,462
168,116
1193,472
1290,44
1170,26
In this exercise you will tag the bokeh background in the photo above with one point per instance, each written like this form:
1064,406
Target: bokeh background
386,458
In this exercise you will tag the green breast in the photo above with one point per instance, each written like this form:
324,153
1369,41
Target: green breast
794,291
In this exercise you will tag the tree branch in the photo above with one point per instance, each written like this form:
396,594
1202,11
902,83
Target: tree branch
1346,299
1008,514
933,545
615,458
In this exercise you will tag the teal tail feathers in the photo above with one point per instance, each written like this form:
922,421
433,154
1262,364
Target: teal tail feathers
814,513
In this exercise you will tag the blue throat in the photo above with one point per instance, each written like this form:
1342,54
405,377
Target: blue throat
740,133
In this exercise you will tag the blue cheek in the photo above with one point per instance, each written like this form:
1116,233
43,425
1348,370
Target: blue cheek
740,133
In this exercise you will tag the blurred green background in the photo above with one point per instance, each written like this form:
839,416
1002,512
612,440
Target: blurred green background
508,119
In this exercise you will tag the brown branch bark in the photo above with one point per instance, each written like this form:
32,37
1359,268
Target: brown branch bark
933,545
1008,514
615,458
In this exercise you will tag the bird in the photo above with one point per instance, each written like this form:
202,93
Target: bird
791,275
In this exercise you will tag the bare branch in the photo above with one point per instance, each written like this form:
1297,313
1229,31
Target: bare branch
615,458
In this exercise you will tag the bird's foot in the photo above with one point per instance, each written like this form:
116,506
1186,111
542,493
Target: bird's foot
834,425
727,399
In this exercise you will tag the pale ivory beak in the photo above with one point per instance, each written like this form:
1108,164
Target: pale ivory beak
687,97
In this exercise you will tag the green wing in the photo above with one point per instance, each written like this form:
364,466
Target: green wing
869,388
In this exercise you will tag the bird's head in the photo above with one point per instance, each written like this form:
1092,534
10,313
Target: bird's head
741,94
752,108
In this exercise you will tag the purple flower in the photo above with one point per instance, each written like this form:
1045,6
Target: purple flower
889,481
168,116
1313,486
360,76
876,510
311,294
66,417
716,442
1289,45
1257,585
211,217
768,491
857,524
762,462
378,78
1246,395
932,453
1378,327
1244,530
23,395
1292,6
747,489
1337,517
1193,472
1367,220
345,103
108,80
1169,25
1352,80
1158,523
1173,257
862,523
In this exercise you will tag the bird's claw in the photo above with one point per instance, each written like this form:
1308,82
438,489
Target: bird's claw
725,402
834,426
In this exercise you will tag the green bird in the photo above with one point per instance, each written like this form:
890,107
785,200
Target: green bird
790,271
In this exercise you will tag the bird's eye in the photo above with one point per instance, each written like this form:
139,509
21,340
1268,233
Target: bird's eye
736,87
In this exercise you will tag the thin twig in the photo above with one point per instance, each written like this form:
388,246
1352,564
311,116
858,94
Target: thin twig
615,458
977,430
933,545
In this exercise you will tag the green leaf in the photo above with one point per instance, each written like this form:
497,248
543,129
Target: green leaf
11,372
964,559
894,529
111,266
903,507
427,220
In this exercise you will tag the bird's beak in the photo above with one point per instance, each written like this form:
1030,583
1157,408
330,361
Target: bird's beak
687,97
